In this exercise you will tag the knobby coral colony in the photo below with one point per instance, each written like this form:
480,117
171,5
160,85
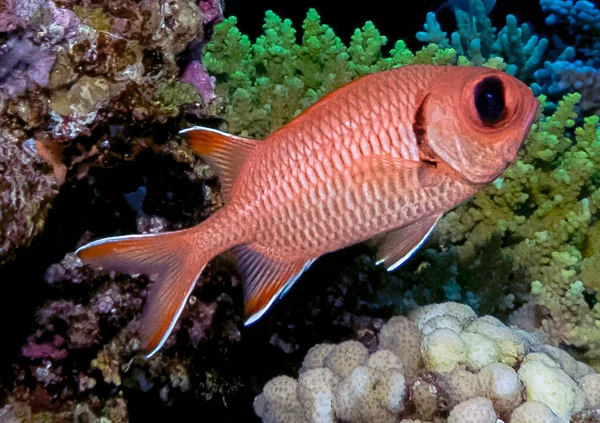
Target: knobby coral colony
442,358
106,82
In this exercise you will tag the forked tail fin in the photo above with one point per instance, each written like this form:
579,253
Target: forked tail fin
172,256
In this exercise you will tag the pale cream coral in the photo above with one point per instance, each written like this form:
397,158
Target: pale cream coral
315,356
480,350
346,357
403,338
534,412
279,401
500,383
459,385
316,396
474,410
391,390
462,312
425,396
512,346
572,367
372,393
590,385
358,400
349,393
443,350
470,373
443,321
546,382
385,360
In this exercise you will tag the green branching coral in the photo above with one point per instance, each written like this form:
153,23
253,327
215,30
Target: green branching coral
272,80
533,231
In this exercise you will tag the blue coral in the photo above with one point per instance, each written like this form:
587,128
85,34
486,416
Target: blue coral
562,77
477,40
579,15
578,66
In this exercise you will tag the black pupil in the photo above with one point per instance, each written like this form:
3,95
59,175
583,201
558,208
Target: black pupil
489,100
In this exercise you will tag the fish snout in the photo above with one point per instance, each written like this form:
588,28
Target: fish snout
509,153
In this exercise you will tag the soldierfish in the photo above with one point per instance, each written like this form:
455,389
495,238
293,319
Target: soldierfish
382,158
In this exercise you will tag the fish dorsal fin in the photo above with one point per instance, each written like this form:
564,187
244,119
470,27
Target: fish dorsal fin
397,246
265,280
224,152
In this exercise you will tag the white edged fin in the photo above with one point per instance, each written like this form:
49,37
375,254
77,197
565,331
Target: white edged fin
265,280
167,298
395,247
161,254
224,152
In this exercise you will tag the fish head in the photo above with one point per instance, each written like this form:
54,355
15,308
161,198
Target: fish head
475,119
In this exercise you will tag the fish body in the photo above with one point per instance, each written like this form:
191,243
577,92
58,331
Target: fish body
380,160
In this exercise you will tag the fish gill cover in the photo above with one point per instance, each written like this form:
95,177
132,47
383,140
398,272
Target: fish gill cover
91,98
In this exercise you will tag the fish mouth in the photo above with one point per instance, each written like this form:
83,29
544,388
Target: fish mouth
533,111
527,125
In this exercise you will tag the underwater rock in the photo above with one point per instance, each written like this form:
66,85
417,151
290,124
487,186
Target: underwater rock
101,66
379,391
27,187
89,82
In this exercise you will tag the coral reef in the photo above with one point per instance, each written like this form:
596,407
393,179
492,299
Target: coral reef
87,84
27,187
113,80
458,367
84,350
104,73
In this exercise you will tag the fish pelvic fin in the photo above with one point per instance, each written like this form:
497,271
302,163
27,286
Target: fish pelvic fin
224,152
397,246
265,280
171,257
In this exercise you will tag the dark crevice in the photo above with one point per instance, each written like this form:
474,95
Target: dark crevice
419,127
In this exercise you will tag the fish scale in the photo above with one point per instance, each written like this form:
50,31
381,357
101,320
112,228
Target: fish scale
381,159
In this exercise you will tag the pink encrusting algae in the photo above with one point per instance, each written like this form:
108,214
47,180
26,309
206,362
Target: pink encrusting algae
382,159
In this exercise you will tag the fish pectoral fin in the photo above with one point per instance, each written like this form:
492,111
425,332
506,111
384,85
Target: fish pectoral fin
224,152
397,246
265,280
152,254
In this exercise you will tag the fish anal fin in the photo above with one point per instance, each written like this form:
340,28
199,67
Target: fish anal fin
397,246
265,280
225,153
166,255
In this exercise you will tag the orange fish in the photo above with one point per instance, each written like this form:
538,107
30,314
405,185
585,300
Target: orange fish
382,159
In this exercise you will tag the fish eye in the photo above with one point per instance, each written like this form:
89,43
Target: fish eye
489,100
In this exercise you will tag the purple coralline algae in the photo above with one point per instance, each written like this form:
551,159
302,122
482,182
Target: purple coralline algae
196,75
